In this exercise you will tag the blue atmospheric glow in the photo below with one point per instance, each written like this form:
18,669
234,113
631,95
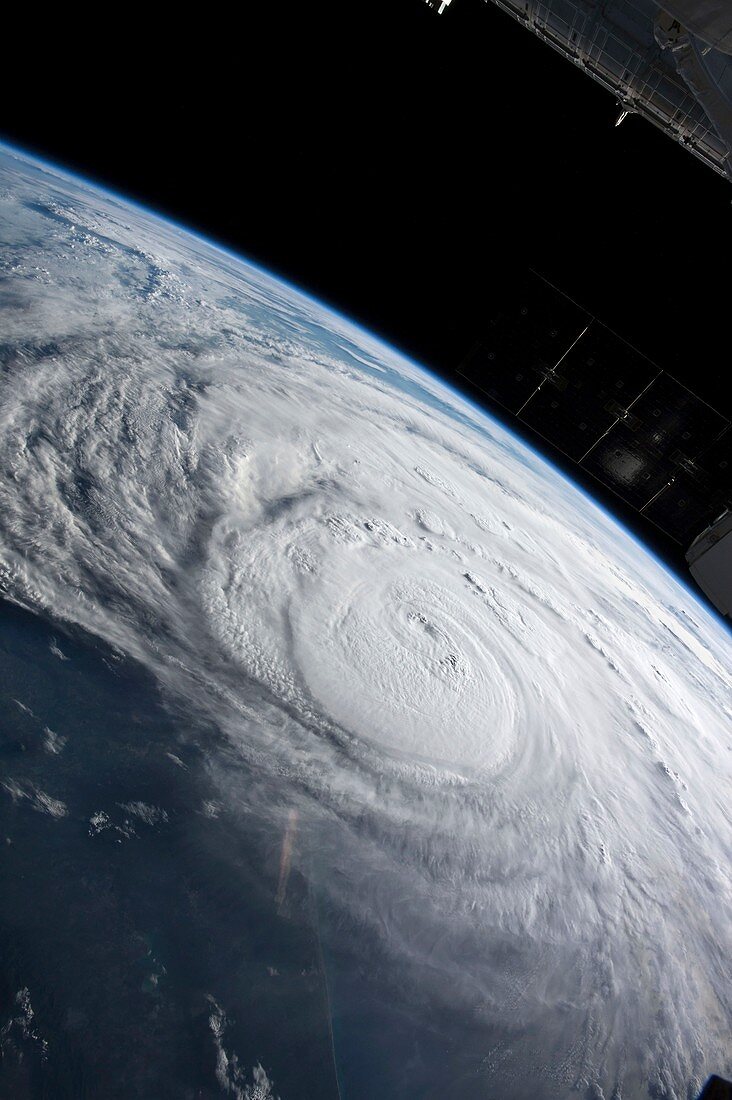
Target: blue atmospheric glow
149,211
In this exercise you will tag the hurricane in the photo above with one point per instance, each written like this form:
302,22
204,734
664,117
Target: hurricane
487,727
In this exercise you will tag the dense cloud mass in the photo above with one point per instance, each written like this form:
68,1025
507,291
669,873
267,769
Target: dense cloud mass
503,727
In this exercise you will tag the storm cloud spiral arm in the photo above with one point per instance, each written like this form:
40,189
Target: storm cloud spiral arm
504,728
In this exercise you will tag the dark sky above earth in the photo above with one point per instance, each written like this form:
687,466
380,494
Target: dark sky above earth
403,166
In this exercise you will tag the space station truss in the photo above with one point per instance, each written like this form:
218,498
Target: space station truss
608,408
670,61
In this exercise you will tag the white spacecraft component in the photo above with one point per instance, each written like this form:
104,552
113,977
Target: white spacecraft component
710,562
668,61
710,20
438,5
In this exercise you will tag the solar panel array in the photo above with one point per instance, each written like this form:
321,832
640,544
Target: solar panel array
607,407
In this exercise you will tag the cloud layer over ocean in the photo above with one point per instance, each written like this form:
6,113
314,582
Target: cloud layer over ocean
503,729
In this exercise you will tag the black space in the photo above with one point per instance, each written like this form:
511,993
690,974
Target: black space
403,166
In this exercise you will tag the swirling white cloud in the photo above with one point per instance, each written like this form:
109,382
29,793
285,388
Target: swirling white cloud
504,726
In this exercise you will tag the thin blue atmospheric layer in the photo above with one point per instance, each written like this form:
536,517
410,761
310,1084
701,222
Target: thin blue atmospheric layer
176,885
323,304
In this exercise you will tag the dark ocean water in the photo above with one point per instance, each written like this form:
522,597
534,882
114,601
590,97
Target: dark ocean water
130,918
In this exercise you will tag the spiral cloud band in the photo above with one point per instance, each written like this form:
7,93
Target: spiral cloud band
500,724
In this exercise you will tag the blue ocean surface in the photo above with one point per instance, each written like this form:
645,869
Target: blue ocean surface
348,749
134,910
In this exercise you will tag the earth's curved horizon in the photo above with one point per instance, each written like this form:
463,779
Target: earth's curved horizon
349,747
